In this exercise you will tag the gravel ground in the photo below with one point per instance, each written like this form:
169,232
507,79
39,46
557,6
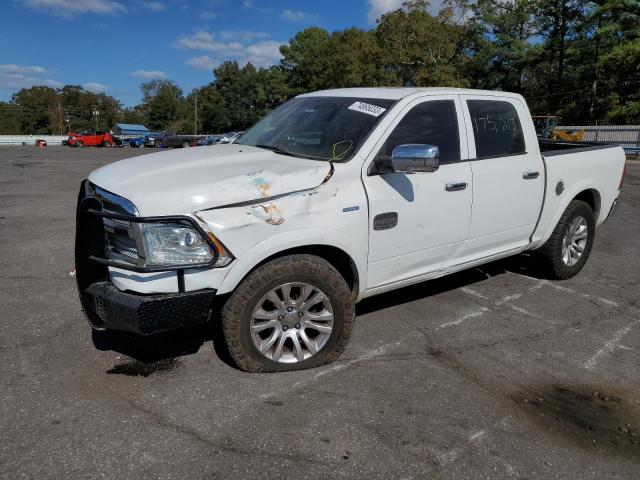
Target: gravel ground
490,373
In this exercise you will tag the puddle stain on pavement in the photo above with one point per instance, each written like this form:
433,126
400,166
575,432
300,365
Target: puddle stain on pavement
591,416
136,368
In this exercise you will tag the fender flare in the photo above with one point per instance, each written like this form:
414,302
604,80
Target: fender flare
290,240
567,198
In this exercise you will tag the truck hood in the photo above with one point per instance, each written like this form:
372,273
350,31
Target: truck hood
188,180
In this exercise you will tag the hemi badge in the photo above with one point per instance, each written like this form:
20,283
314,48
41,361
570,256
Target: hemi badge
351,209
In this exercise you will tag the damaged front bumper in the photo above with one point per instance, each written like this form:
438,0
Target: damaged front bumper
108,308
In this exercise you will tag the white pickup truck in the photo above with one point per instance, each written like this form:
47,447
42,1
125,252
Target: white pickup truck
333,197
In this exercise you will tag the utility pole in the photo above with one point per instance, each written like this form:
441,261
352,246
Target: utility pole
195,116
96,113
60,122
67,119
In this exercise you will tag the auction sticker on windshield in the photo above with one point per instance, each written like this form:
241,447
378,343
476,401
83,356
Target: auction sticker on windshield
367,108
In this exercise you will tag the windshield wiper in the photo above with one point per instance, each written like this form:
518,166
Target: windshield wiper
276,150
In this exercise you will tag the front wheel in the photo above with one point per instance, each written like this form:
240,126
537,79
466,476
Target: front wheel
292,313
569,246
186,144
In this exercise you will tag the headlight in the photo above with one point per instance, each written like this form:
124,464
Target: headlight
176,244
167,244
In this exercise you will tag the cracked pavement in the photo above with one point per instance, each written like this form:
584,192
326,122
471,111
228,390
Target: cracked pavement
491,373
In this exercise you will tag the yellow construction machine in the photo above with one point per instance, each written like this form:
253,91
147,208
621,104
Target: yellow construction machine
546,127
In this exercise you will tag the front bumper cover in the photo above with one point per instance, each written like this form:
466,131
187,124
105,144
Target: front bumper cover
107,308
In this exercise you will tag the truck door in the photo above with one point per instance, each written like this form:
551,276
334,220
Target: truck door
418,222
508,175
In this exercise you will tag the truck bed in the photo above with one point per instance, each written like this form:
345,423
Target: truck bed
553,147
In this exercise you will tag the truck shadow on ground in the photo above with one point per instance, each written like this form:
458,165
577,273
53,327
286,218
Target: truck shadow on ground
157,352
525,264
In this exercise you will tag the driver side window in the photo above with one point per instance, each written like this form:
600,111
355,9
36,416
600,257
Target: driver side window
432,122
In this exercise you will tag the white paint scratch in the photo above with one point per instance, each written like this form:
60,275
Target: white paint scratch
611,345
336,367
538,285
473,293
608,302
450,456
468,316
508,298
523,311
477,435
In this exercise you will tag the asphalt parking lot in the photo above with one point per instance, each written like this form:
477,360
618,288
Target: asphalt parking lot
491,373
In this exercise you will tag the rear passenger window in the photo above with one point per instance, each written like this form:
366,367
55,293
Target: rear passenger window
496,128
432,122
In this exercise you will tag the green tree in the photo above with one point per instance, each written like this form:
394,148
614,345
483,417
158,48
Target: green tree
503,43
307,59
35,105
163,104
420,49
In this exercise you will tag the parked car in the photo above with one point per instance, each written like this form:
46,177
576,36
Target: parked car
91,139
137,142
282,237
230,137
183,141
154,139
209,140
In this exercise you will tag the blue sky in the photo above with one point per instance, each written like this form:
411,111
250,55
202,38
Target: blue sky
114,45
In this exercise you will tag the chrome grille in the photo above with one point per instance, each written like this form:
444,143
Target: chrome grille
119,239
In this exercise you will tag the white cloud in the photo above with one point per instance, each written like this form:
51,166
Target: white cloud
148,74
230,45
14,77
241,35
15,81
154,6
70,8
94,87
377,8
295,16
208,15
205,41
204,62
22,69
265,53
246,4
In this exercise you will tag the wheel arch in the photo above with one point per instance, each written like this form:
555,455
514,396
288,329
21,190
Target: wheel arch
338,257
589,194
592,197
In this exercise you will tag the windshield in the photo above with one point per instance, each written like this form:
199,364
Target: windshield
322,128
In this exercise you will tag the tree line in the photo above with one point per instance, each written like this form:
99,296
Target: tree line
577,59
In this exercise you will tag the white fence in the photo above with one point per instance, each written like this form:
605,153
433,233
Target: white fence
626,135
31,139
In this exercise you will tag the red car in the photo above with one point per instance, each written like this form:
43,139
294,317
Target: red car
91,139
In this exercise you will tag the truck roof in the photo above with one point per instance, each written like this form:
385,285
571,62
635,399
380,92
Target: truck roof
397,93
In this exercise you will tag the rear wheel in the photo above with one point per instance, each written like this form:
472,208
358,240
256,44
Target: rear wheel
292,313
569,246
186,144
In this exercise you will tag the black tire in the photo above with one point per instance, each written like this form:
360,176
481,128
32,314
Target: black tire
237,311
552,252
186,144
79,144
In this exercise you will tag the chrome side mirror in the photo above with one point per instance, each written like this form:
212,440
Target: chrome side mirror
415,157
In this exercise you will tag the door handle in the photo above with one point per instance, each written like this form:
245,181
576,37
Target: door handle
530,175
455,187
